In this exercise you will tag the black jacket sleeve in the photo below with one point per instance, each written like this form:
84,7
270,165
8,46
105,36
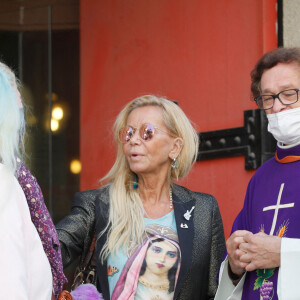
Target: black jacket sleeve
75,231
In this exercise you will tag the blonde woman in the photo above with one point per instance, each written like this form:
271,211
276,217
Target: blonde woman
156,145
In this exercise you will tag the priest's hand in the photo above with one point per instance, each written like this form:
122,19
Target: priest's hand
260,251
234,252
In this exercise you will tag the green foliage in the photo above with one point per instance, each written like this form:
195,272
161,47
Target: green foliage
262,274
258,283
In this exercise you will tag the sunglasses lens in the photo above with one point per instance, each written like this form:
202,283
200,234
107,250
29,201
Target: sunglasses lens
126,134
147,132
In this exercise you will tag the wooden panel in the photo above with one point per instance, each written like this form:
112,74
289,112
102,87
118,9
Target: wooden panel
33,15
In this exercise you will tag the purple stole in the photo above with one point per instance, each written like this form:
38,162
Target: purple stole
271,205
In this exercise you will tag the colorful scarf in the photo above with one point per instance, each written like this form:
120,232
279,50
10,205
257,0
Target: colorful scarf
42,221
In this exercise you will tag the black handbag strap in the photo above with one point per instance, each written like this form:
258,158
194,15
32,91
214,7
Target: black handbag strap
91,254
86,272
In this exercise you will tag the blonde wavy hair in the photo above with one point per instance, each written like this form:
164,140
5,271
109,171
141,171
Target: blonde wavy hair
126,214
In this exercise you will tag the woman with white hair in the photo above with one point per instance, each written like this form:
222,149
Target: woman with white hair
26,272
156,145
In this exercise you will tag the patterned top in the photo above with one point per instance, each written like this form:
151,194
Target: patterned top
150,270
42,221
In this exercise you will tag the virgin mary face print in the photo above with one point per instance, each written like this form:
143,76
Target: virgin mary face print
152,268
161,257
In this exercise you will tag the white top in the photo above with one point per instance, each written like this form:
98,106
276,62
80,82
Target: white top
288,277
25,269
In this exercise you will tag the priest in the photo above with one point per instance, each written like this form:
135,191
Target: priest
264,248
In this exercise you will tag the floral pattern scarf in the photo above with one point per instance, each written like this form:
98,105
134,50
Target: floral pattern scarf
42,221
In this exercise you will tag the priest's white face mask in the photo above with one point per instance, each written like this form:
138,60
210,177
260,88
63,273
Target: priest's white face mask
285,126
284,119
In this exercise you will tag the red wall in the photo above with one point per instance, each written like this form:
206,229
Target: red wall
197,52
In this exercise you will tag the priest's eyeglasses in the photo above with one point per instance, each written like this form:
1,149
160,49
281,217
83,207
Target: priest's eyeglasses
146,132
285,97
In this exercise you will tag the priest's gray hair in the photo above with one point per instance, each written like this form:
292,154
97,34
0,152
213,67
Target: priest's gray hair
269,60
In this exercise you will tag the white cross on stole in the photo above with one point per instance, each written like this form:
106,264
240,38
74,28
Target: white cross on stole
276,208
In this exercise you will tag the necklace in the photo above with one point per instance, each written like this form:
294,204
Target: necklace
160,287
171,199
